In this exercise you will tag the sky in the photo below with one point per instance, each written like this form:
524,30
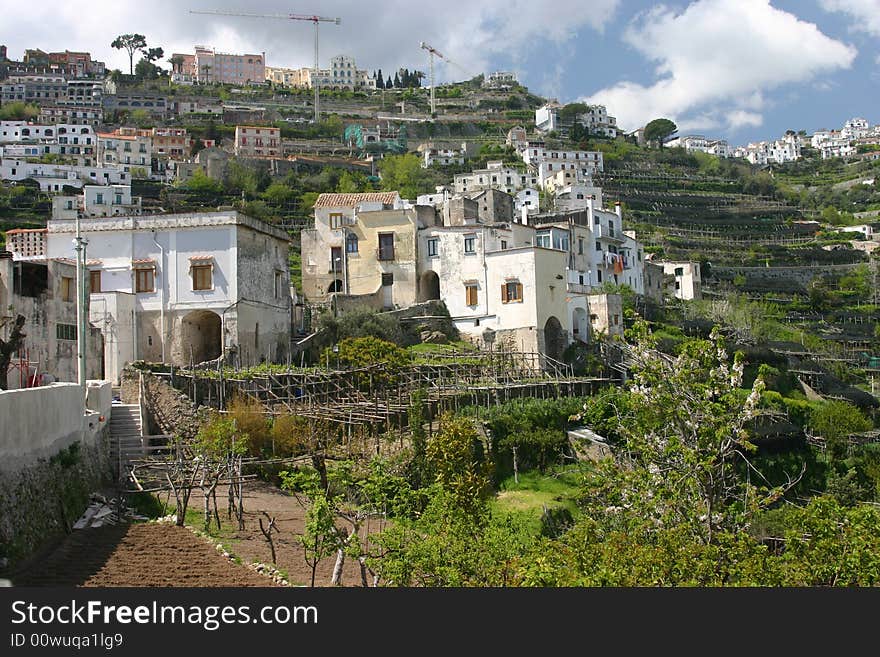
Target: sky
744,70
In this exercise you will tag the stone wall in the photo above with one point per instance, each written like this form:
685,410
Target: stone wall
167,412
54,452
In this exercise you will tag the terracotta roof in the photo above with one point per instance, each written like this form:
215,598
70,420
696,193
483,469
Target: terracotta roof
143,261
203,256
16,231
93,263
351,200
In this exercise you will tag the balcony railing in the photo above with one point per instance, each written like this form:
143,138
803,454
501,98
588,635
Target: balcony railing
577,288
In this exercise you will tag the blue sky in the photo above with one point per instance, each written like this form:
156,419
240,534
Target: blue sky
740,69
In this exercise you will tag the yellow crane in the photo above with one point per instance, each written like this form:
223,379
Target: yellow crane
316,79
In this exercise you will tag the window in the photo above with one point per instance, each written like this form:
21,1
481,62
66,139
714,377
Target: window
118,199
65,331
512,292
95,280
387,280
351,243
470,243
470,293
279,284
386,246
503,245
144,279
679,271
99,199
202,277
335,259
432,247
598,246
335,220
68,289
580,246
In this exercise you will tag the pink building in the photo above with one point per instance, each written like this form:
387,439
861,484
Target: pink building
225,68
259,141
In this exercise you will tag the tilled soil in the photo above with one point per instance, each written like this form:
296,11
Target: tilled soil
142,555
289,515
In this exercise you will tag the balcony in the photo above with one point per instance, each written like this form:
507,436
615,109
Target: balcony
577,288
608,234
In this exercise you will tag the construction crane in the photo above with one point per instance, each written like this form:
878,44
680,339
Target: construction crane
431,52
316,79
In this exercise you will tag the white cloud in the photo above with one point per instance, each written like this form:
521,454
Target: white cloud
865,13
743,118
718,58
378,34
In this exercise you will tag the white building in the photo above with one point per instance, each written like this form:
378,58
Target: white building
344,74
547,117
184,288
495,176
443,156
53,177
699,143
97,201
548,162
126,148
856,128
500,80
596,120
787,149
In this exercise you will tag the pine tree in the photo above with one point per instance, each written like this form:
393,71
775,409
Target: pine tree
396,81
389,84
380,83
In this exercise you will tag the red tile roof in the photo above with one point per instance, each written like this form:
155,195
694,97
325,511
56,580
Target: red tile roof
351,200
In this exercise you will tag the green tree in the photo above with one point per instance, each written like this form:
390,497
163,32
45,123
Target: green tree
404,173
18,111
686,436
320,537
835,421
131,43
659,130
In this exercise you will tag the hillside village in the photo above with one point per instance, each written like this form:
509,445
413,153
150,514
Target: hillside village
247,275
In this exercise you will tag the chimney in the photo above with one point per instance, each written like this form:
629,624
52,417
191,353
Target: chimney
618,210
525,214
590,199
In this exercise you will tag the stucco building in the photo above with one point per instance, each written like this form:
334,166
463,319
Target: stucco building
184,288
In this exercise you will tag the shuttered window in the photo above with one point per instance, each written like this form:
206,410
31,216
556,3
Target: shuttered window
512,292
470,293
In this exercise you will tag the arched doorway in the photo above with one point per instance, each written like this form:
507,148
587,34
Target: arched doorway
580,325
429,286
554,338
200,337
335,286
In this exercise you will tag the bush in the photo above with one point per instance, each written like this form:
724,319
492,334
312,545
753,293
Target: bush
250,418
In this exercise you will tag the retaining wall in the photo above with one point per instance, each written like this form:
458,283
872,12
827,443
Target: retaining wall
54,452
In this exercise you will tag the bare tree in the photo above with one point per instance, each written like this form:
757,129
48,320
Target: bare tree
9,347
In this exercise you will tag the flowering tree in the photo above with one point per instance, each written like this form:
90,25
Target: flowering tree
685,443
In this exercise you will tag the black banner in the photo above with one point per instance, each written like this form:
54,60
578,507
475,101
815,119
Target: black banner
336,621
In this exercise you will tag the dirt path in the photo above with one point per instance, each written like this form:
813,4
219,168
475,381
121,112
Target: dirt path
143,554
251,546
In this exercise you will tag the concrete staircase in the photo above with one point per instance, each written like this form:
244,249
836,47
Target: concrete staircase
126,439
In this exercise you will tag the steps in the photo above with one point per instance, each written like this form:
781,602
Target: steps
126,439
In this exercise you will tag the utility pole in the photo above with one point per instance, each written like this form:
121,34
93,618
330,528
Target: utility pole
295,17
79,245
